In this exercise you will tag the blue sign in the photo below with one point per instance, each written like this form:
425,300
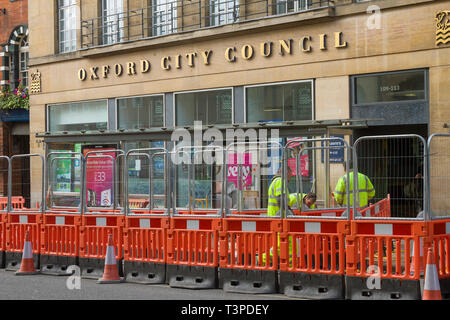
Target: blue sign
337,150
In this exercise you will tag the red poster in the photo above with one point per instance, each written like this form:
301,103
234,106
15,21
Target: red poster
246,166
99,177
304,158
304,165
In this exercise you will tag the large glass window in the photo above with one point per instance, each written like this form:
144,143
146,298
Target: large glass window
67,20
140,112
288,6
390,87
146,174
113,18
164,17
23,60
77,116
279,102
224,11
210,107
64,174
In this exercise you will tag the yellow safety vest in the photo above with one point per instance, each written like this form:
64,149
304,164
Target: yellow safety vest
293,200
365,189
274,197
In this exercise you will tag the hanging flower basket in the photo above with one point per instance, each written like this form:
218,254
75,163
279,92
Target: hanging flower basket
14,99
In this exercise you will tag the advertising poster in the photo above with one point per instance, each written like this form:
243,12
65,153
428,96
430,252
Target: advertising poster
63,174
99,177
304,158
233,169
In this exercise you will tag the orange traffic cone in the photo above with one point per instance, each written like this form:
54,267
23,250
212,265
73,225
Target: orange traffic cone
431,289
111,273
27,265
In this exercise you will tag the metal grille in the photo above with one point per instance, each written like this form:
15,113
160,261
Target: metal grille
395,165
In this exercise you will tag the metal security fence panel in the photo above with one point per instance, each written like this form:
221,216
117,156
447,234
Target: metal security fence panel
395,166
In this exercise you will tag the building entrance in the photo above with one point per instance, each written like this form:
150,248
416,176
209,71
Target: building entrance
395,166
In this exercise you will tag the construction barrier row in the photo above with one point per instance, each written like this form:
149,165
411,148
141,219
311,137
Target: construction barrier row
310,257
334,253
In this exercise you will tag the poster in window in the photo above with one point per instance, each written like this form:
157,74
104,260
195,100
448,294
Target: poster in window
233,169
63,174
99,177
296,144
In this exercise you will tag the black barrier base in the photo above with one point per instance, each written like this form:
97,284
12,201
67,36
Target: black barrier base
248,281
444,284
2,259
57,265
192,277
144,272
92,268
312,286
356,288
13,261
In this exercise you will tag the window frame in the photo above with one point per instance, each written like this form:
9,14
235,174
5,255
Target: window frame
24,50
47,112
218,15
110,16
313,110
116,107
66,9
353,88
202,90
167,28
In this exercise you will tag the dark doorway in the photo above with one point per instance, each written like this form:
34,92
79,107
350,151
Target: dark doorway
21,168
395,166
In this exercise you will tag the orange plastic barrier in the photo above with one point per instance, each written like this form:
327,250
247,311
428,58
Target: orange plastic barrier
145,248
380,209
249,255
192,251
138,203
94,232
60,240
380,252
17,225
17,202
335,212
440,231
3,224
312,258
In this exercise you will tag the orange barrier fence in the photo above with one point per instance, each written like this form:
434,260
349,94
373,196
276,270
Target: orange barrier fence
17,202
380,209
192,251
3,224
17,225
312,258
60,240
382,252
138,203
145,248
94,232
249,254
440,230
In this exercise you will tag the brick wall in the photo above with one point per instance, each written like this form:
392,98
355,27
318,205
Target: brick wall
16,14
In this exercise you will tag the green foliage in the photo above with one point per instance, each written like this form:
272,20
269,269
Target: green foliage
14,99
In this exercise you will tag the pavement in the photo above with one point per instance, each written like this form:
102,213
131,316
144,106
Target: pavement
47,287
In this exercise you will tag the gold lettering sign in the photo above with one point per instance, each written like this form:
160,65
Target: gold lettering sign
35,86
442,27
237,54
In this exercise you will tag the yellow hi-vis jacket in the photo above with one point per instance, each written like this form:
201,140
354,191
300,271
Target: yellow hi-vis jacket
293,201
365,189
274,193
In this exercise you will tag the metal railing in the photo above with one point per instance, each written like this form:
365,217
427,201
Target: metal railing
170,17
